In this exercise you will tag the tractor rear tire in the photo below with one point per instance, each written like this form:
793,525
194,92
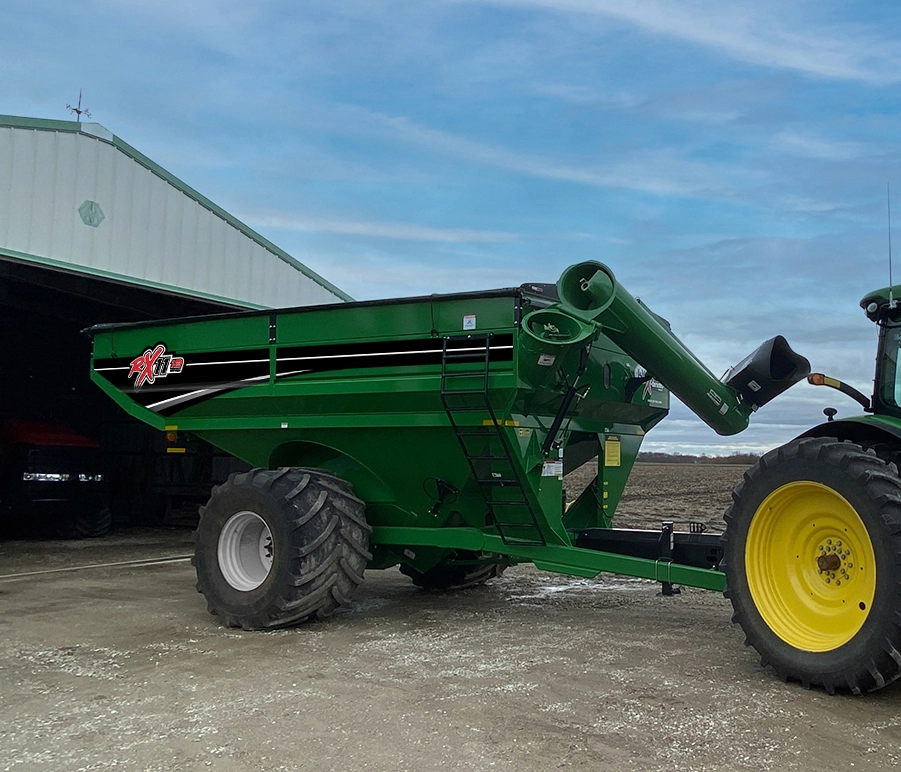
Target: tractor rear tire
453,577
813,564
277,547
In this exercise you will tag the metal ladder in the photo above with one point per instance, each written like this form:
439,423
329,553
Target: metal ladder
464,391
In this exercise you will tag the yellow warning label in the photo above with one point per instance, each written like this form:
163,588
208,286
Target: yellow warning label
612,452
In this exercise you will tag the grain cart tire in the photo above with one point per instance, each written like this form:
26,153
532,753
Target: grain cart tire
813,564
453,577
276,547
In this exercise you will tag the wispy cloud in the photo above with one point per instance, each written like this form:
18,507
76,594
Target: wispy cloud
811,146
761,33
217,22
384,275
388,230
657,171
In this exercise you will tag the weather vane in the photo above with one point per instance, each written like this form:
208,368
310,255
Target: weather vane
78,109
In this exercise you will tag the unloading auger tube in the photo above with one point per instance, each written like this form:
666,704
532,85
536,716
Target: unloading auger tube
589,292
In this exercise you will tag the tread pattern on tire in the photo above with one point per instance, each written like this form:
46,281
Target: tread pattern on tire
878,482
324,549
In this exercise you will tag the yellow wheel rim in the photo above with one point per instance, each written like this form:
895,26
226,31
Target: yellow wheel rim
810,566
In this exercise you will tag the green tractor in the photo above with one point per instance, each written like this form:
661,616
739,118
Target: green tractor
433,434
813,536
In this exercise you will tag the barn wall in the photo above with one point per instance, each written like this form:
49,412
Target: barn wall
90,202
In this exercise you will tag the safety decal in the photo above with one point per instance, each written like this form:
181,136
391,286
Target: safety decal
154,363
552,469
613,455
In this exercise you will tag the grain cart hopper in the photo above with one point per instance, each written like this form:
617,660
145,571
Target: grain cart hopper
429,432
813,537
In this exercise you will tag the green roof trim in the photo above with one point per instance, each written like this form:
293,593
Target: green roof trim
46,124
49,262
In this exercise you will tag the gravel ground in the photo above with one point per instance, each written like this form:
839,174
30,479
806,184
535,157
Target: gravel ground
122,667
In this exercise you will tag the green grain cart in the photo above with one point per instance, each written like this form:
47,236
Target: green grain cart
434,432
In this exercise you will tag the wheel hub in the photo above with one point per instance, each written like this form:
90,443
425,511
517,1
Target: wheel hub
245,551
834,562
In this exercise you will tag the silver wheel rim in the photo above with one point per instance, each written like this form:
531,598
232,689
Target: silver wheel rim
245,551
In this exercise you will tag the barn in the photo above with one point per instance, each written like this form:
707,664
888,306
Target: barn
93,231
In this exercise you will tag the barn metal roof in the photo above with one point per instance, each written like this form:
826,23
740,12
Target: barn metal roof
74,196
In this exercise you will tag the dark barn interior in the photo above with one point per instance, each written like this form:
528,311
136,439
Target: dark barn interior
45,379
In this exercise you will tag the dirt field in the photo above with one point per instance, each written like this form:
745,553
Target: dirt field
120,667
659,492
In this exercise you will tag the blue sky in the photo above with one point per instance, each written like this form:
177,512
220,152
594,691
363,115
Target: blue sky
728,160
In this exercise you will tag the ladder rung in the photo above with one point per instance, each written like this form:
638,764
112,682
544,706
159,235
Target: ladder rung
517,525
470,390
509,525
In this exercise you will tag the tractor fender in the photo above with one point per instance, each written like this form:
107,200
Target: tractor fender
863,430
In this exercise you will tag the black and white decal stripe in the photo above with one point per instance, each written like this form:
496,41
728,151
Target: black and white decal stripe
207,374
385,354
203,375
196,396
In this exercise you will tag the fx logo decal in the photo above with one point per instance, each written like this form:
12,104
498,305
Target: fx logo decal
154,363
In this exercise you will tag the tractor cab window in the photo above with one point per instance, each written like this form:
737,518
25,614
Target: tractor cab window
890,370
